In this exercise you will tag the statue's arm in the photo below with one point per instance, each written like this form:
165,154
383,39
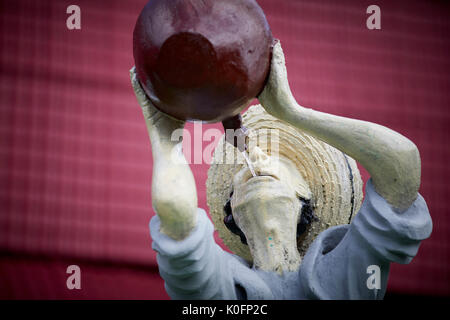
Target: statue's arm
392,160
174,195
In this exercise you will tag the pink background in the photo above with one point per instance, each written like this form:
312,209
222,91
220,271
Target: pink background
75,160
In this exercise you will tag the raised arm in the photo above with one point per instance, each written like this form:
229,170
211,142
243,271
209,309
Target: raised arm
174,195
392,160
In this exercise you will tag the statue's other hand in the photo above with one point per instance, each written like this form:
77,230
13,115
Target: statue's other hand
174,196
276,97
154,118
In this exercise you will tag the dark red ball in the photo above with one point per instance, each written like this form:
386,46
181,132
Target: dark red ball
202,59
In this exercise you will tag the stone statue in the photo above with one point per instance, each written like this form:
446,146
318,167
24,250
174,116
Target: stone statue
298,229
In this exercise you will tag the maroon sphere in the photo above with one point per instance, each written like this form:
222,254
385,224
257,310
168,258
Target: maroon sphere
202,59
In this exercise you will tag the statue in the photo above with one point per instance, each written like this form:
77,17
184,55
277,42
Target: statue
297,229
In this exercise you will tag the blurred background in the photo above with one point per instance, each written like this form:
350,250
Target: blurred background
75,159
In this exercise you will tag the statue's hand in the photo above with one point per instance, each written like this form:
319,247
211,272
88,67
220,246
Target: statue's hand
276,98
155,119
174,196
